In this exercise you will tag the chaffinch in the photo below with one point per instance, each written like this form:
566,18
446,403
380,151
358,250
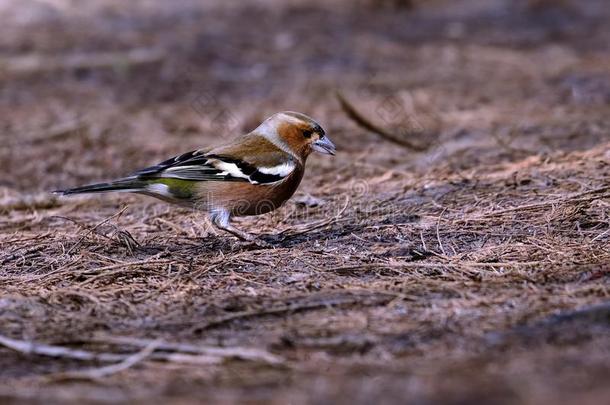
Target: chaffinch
254,174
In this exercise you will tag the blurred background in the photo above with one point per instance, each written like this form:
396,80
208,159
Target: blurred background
453,113
136,81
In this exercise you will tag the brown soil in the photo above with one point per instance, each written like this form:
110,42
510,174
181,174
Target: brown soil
474,270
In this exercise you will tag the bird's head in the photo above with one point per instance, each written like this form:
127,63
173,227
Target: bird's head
296,133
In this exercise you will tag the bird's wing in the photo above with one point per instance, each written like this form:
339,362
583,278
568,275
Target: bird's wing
194,165
234,163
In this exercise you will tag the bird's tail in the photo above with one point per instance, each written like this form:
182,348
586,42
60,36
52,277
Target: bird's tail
124,185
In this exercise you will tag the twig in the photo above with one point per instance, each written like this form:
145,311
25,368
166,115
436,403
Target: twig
241,353
25,347
571,198
438,236
29,64
416,265
601,235
153,349
97,373
359,119
94,228
312,227
378,300
423,242
22,253
120,268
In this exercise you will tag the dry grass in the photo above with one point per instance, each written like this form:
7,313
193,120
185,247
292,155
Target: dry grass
476,269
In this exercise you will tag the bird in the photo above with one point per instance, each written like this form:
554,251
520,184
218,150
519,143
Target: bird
254,174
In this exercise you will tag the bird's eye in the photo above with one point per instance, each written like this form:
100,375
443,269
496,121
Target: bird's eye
307,133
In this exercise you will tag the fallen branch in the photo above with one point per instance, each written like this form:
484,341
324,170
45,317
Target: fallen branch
29,348
365,123
150,349
97,373
29,64
239,353
379,299
398,266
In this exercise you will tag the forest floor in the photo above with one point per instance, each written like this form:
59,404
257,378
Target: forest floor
464,260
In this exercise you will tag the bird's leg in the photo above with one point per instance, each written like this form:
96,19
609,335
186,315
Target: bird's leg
222,220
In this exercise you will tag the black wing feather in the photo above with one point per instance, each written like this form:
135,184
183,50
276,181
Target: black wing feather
166,164
195,165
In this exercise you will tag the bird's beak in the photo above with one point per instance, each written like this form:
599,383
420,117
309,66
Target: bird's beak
325,146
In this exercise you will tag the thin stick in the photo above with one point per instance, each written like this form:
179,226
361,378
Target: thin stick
404,266
94,228
30,64
573,197
317,225
601,235
423,242
101,272
438,235
359,119
241,353
149,347
379,300
57,351
128,362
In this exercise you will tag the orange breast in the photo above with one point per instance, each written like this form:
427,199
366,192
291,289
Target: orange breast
247,199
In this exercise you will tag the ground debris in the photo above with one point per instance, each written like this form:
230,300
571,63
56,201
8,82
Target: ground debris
475,270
